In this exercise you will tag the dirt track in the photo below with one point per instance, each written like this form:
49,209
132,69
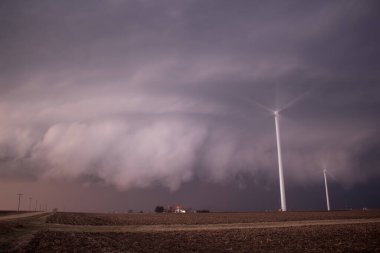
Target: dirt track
17,216
202,227
17,230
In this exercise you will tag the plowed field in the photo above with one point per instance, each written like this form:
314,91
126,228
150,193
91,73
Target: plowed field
339,231
330,238
202,218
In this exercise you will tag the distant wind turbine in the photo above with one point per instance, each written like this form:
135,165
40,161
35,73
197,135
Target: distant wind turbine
327,190
19,201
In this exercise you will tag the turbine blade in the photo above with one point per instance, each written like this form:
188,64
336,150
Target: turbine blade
254,102
295,100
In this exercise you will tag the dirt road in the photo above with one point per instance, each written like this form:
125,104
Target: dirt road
17,216
17,230
201,227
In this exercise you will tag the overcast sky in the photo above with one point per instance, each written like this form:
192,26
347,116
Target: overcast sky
117,105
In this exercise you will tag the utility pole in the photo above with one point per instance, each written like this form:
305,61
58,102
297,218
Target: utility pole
19,200
30,204
36,206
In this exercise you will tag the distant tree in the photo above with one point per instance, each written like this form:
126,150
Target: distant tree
159,209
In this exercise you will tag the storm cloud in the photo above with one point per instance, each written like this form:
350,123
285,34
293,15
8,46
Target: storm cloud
136,94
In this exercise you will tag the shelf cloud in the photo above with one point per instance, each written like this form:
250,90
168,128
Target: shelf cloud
135,94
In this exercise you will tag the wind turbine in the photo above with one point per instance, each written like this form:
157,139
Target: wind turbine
280,170
327,190
19,200
276,114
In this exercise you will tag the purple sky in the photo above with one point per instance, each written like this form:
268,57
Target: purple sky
117,105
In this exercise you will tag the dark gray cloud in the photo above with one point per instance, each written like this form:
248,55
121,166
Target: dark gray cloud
139,94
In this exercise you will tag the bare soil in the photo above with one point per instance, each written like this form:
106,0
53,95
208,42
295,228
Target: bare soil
329,238
16,233
344,231
203,218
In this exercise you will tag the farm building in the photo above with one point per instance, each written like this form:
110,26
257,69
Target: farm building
176,209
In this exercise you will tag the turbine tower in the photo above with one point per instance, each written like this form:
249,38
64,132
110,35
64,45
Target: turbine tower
280,171
327,190
19,200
